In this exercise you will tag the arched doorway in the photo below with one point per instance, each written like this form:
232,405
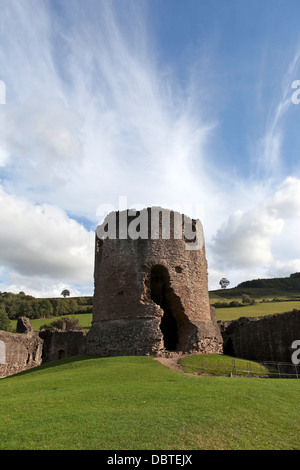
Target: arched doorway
61,353
228,348
161,294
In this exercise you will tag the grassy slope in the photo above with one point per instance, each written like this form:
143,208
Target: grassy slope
136,403
288,301
221,365
257,293
257,310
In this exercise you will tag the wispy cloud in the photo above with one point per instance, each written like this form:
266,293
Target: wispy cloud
269,149
92,114
122,120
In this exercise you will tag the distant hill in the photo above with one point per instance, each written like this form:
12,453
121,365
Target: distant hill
259,288
291,283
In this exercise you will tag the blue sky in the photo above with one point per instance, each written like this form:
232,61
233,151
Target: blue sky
182,104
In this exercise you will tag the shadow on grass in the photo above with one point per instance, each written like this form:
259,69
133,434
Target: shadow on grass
48,365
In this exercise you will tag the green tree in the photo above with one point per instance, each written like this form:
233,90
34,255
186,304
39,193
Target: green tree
64,324
246,300
224,283
26,309
72,305
13,308
45,308
59,307
4,320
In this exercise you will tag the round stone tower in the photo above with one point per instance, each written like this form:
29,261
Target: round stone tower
151,290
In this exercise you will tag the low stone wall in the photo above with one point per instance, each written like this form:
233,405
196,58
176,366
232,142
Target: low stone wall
19,352
27,349
264,339
58,344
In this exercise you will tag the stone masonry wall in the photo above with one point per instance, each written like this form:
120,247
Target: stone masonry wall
59,344
19,352
265,339
27,349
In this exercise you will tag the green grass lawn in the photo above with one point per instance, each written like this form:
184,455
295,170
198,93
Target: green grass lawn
257,310
135,403
221,365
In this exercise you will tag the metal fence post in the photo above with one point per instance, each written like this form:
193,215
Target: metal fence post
278,367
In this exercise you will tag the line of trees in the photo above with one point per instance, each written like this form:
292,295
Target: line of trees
246,300
13,306
4,320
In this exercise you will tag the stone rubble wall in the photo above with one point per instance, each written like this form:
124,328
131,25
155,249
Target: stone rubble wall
27,349
58,344
266,339
19,352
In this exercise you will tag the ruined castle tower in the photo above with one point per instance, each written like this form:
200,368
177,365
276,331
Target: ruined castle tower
151,292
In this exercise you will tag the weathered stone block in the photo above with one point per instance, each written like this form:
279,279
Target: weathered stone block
19,352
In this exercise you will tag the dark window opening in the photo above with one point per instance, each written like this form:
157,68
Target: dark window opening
61,354
228,348
160,294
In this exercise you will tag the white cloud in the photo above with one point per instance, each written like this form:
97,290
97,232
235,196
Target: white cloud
41,286
41,241
2,92
246,238
92,114
286,200
42,140
124,125
283,268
